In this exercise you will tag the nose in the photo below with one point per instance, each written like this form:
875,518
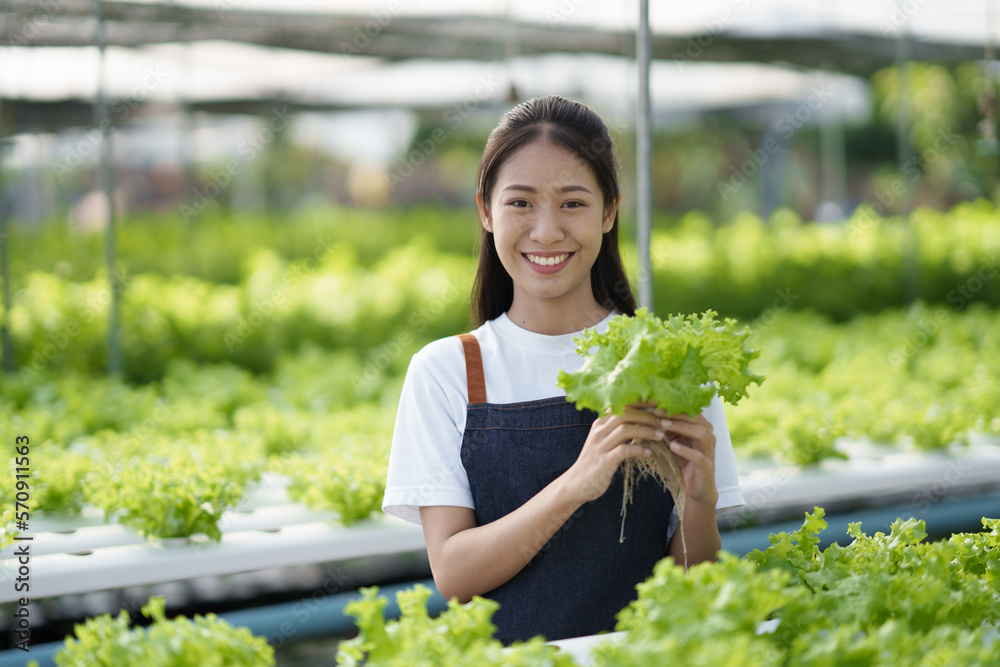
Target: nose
546,229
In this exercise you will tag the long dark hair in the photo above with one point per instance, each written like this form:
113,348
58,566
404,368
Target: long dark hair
577,128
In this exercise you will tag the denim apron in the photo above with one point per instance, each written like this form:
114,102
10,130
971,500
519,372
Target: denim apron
584,574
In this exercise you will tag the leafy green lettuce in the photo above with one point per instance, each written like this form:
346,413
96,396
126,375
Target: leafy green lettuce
678,363
881,601
461,635
204,641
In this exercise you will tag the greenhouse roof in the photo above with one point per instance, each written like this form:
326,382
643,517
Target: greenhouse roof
247,55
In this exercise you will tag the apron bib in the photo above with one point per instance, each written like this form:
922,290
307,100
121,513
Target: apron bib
583,576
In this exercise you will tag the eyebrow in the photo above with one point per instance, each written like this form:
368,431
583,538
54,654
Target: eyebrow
565,188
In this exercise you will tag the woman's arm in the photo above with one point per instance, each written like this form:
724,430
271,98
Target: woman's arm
468,560
701,532
695,450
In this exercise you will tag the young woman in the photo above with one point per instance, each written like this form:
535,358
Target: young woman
518,492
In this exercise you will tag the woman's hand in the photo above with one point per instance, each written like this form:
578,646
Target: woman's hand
608,444
693,441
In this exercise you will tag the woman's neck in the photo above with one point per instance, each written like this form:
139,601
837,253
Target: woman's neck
554,319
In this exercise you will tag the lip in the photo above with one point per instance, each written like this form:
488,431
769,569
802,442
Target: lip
538,268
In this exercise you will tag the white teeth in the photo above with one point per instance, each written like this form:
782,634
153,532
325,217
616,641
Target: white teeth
547,261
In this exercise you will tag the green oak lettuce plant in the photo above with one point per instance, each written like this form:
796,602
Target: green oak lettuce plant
176,487
883,600
679,364
461,635
7,526
203,641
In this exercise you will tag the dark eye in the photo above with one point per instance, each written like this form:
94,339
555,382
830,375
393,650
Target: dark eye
518,203
573,204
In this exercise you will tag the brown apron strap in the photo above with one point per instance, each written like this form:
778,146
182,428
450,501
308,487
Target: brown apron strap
474,369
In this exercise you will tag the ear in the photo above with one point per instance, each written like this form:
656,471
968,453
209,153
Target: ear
609,214
484,214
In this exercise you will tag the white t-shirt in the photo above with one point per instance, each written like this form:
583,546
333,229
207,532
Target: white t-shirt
425,466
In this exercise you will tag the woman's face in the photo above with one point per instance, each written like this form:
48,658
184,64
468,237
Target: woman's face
547,215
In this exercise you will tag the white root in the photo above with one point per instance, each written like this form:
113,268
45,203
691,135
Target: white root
662,465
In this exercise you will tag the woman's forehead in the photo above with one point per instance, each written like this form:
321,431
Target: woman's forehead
544,161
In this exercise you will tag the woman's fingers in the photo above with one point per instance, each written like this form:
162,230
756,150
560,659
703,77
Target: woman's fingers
692,454
682,420
633,418
615,438
612,439
640,416
692,439
627,431
699,431
699,472
626,451
640,421
682,417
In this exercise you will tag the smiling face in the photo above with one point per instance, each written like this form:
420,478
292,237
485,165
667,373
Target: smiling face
547,216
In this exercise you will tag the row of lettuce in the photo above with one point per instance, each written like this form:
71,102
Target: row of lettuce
881,600
169,458
289,363
412,294
179,470
925,378
381,284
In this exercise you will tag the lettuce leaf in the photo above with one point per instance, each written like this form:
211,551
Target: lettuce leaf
678,363
461,635
202,641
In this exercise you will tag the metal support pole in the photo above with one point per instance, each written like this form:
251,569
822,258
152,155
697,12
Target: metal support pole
833,164
105,126
5,339
644,182
988,100
904,156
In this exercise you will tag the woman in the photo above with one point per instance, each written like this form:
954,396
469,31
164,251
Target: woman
516,489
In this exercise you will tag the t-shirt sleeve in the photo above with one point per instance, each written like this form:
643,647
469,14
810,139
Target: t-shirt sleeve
726,478
425,466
